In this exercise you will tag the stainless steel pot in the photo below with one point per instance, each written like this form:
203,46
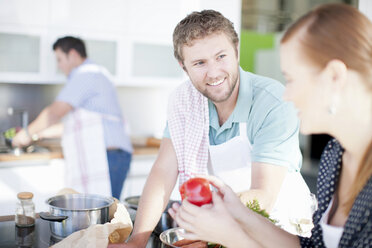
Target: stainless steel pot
166,221
72,212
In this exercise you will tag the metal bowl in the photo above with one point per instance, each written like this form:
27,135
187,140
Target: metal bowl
172,235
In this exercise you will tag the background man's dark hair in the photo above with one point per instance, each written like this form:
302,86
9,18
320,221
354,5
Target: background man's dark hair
68,42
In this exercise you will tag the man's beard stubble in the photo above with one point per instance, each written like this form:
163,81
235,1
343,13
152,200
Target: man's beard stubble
227,95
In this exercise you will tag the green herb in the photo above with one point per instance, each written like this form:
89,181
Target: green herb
10,133
255,206
213,245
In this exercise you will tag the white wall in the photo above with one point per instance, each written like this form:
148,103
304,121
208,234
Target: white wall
365,6
145,109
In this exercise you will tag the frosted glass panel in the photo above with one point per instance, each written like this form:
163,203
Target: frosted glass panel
19,53
151,60
103,53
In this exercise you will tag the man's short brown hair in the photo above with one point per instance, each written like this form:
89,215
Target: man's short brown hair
198,25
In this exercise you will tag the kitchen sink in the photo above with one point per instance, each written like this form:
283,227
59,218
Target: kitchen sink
17,151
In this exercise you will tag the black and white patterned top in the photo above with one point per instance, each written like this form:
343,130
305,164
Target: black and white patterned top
358,227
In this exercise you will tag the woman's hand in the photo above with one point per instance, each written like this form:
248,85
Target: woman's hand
217,222
208,222
229,198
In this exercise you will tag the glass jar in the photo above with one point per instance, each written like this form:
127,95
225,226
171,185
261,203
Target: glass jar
25,211
25,236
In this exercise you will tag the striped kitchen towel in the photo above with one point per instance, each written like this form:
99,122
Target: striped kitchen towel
188,123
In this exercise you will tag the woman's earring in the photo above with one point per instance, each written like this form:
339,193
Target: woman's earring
332,110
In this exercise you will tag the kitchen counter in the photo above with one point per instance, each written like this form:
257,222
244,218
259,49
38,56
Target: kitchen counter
145,146
44,174
30,156
39,235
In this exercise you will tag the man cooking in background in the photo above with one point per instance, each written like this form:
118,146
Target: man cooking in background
96,147
223,121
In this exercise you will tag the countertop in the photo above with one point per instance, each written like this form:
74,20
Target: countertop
142,146
39,235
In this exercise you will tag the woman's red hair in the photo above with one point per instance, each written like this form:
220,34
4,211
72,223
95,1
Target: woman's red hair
339,31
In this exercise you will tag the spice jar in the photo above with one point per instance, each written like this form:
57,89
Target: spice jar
25,211
25,236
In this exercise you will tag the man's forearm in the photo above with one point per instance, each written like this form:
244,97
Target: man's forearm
45,119
266,199
156,193
150,208
54,131
266,182
49,116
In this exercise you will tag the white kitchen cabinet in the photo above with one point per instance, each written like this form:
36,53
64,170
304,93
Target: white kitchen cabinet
43,178
21,54
150,62
154,18
90,15
102,47
132,38
24,13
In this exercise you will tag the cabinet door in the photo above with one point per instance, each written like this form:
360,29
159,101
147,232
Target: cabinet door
24,12
102,48
21,54
153,18
149,61
93,15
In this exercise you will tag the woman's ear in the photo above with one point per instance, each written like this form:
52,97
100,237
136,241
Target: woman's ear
336,72
335,78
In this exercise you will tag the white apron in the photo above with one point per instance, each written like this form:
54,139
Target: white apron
231,162
85,153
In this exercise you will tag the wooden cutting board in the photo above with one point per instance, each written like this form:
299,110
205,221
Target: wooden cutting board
30,156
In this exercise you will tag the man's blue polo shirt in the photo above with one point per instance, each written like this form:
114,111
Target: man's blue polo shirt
272,124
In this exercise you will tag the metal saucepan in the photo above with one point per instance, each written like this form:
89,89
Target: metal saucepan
72,212
166,221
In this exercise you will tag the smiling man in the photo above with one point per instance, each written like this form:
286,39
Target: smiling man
223,121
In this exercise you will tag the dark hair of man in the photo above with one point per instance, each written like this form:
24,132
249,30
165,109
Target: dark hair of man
68,42
199,25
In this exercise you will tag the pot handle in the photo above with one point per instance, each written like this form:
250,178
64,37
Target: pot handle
47,216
